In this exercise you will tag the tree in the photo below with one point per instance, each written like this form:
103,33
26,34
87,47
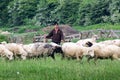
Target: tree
4,12
44,15
114,9
93,13
63,11
19,10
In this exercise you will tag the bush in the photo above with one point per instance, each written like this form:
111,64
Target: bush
3,38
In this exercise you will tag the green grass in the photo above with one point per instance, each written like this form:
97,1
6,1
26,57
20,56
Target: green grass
22,29
41,69
98,26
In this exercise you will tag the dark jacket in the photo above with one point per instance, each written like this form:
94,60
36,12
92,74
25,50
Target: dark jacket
56,37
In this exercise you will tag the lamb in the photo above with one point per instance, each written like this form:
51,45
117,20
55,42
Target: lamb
4,52
16,49
84,41
103,51
72,50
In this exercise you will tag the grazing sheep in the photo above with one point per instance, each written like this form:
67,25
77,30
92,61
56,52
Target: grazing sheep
111,42
16,49
116,42
84,41
74,51
58,48
103,51
40,49
47,50
30,49
107,42
4,52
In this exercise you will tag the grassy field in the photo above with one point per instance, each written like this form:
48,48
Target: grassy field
41,69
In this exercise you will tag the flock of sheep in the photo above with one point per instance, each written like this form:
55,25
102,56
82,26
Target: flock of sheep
109,49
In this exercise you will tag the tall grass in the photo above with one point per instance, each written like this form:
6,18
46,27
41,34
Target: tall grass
41,69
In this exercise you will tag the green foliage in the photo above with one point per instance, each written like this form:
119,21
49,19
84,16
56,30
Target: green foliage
65,12
68,12
3,38
90,14
21,10
114,9
4,12
44,15
45,12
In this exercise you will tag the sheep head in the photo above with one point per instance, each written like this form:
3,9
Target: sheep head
90,53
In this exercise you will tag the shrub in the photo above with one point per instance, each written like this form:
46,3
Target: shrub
3,38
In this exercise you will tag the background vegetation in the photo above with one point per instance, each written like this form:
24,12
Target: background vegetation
45,12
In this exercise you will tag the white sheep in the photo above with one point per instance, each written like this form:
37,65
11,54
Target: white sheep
111,42
73,50
103,51
17,50
84,41
107,42
116,42
4,52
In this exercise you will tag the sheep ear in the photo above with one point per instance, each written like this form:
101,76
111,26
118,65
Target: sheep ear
89,44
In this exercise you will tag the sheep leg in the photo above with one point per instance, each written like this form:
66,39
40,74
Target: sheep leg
95,59
81,59
63,56
23,57
77,56
88,60
115,57
118,59
14,56
52,55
